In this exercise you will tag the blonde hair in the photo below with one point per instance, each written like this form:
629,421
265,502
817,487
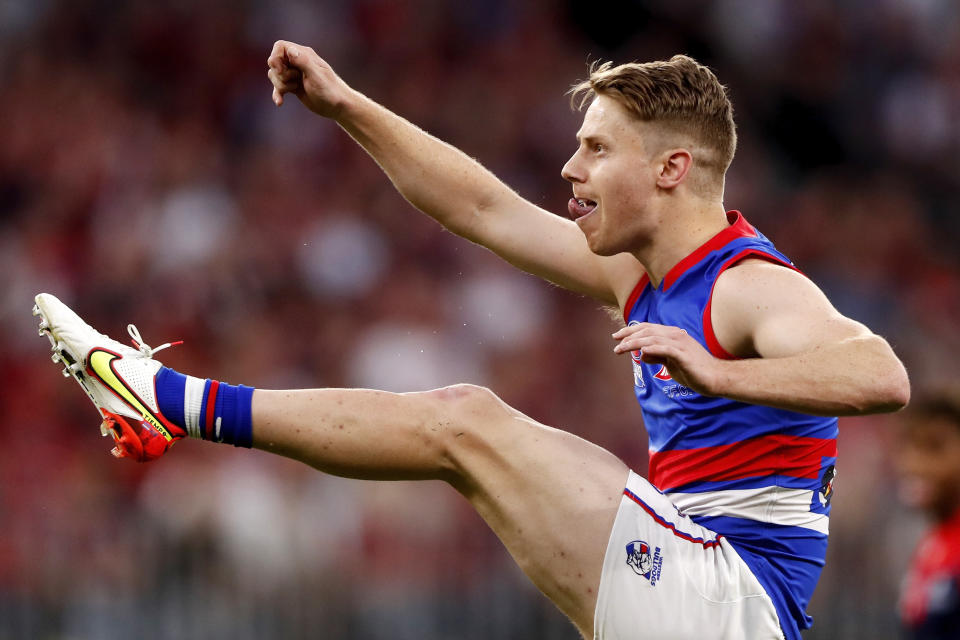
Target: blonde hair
680,94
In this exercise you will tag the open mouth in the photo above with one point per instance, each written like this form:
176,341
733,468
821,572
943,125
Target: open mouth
579,207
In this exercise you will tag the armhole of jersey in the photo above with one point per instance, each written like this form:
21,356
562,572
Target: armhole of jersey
634,296
708,335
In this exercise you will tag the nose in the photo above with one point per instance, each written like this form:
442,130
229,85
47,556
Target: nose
572,171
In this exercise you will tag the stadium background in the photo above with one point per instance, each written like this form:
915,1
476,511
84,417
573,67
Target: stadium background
145,176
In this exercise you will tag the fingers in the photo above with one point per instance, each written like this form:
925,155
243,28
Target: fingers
657,352
284,55
283,69
645,334
651,349
292,68
646,327
284,80
689,363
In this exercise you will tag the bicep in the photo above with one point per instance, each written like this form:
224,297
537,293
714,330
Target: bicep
553,248
761,309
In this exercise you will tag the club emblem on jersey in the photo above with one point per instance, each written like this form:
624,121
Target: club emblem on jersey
826,485
638,374
663,374
643,562
637,364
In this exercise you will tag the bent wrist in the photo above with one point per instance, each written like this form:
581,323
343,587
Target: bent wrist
717,379
349,108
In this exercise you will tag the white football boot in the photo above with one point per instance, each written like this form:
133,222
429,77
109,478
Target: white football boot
117,379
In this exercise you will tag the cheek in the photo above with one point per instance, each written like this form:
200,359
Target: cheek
629,181
627,196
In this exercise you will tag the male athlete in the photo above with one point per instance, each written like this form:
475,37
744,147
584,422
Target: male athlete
739,362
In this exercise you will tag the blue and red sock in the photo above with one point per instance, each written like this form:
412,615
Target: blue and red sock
207,409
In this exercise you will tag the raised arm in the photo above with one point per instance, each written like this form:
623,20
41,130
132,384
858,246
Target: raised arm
798,351
451,187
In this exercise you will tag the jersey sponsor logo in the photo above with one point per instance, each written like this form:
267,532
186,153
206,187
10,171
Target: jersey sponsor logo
826,485
674,391
100,362
643,562
663,374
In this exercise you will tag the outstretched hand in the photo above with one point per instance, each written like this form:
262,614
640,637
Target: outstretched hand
685,359
298,70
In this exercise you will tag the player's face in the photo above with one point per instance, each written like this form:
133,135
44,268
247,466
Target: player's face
929,463
613,179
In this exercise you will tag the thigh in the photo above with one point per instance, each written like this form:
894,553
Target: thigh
664,576
550,496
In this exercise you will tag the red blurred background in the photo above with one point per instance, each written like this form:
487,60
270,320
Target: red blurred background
146,177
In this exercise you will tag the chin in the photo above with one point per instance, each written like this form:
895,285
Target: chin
605,249
598,249
606,253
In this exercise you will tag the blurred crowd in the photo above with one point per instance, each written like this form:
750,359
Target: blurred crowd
146,177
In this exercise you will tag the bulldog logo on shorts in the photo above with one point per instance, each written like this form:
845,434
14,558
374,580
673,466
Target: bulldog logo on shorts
638,557
642,562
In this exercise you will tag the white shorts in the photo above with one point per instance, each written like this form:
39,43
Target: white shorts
666,577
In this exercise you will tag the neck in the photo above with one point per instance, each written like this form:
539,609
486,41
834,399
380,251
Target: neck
679,232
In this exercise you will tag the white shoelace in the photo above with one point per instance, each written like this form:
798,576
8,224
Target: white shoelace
144,348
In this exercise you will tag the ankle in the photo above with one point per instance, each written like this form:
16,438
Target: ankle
207,409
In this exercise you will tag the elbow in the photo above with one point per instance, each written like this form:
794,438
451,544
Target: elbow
893,400
903,399
887,384
891,390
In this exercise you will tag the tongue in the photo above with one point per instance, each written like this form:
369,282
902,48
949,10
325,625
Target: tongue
579,208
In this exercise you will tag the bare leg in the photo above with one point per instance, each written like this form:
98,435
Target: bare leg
550,496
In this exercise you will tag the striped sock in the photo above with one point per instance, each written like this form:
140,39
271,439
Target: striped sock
207,409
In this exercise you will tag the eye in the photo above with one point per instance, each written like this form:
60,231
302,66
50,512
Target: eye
598,148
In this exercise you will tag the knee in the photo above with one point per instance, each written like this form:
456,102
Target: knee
469,415
465,405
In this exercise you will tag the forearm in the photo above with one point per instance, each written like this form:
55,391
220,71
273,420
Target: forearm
856,376
432,175
448,185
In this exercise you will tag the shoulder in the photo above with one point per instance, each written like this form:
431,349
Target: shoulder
763,308
754,276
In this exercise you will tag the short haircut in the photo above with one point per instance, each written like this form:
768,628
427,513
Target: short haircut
680,94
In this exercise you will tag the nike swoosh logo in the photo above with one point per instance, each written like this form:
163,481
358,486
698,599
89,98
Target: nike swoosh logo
100,362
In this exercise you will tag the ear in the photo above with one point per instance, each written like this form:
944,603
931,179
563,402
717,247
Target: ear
675,167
